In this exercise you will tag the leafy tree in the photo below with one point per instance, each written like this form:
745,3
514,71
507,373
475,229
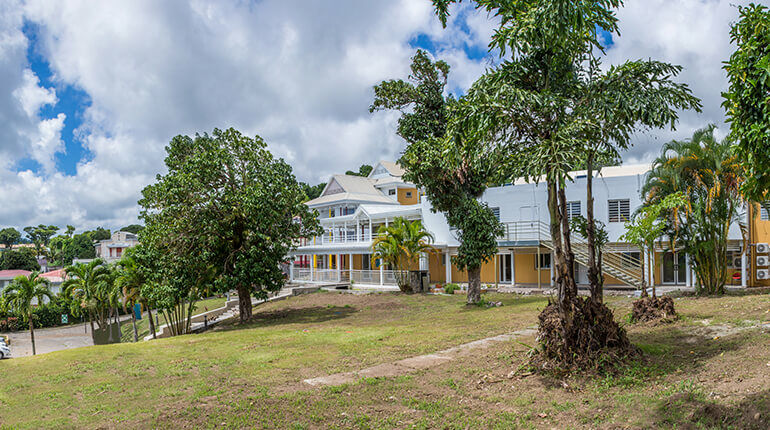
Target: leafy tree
41,236
746,100
364,171
70,231
225,204
9,236
454,175
22,291
139,274
19,259
99,234
649,225
579,224
133,228
400,245
421,101
709,173
312,192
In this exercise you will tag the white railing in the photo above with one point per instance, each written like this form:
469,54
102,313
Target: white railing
364,277
525,230
328,238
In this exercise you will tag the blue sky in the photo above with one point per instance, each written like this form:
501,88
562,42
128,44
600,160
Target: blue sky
71,102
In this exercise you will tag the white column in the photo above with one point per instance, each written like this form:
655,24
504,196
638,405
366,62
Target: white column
513,268
312,267
370,229
382,270
350,263
744,271
447,267
339,268
552,260
688,276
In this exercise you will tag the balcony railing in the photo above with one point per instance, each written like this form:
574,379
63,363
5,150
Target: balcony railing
362,277
329,238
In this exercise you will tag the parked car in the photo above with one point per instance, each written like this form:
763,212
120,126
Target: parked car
5,351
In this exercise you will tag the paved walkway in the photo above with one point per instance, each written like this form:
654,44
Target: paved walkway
50,339
414,364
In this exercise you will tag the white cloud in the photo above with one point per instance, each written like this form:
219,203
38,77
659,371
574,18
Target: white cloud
300,74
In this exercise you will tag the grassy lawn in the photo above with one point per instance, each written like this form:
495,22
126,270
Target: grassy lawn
143,325
706,370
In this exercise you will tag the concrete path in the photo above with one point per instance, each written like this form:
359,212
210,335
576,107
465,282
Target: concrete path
50,339
413,364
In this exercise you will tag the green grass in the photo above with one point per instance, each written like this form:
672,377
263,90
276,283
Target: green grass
249,376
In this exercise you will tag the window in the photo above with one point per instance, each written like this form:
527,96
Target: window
545,261
392,192
619,210
366,262
763,215
496,211
573,209
408,194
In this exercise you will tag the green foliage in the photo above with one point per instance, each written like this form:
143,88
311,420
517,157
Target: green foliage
90,287
99,234
41,236
364,171
133,228
421,101
22,292
709,174
226,211
19,259
400,245
9,236
746,100
451,288
65,248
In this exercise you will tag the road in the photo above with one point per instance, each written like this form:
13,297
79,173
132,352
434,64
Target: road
50,339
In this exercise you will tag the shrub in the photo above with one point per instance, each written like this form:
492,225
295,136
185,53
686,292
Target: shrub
451,288
9,324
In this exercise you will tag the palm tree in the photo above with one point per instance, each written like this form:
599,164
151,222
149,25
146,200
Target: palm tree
20,294
401,244
83,286
131,280
709,174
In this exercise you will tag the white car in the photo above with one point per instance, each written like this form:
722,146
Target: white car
5,352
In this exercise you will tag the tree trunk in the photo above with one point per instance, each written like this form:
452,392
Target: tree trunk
133,321
32,333
594,273
569,257
110,339
474,285
642,258
244,302
152,322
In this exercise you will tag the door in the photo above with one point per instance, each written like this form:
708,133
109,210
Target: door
504,266
674,268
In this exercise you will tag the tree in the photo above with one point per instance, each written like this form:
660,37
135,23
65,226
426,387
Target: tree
312,192
649,224
99,234
22,291
9,236
226,203
579,225
746,103
19,259
400,245
70,231
454,175
709,173
138,272
364,171
40,236
133,228
85,285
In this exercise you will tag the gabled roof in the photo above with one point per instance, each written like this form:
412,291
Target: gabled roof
54,275
10,274
351,197
350,188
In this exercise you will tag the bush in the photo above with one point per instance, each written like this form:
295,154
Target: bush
451,288
9,324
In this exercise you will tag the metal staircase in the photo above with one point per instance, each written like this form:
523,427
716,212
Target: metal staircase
619,265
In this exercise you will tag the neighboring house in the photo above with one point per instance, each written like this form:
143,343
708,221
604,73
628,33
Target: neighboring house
55,279
351,209
112,249
7,276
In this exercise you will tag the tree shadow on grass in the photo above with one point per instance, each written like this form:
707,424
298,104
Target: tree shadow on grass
690,409
305,315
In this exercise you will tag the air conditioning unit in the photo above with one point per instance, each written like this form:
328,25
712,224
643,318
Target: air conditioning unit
737,262
762,248
762,260
763,274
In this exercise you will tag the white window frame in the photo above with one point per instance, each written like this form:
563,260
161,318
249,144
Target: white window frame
571,212
621,217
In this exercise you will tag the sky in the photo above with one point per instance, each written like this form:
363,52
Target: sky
91,92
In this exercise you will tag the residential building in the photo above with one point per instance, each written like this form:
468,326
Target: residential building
351,209
112,249
7,276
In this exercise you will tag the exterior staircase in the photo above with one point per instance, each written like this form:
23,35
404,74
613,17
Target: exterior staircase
619,265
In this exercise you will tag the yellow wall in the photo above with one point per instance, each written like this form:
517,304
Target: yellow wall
760,233
404,200
436,268
524,266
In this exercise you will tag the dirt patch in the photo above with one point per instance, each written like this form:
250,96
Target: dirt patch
653,309
592,340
